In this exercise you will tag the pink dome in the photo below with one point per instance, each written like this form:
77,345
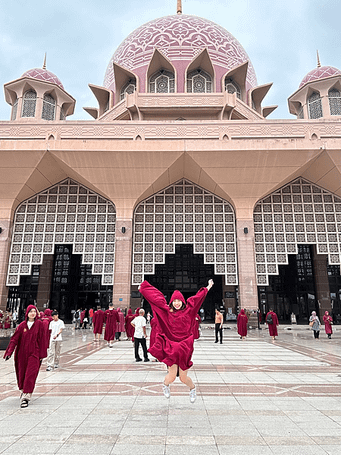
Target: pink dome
43,75
320,73
180,37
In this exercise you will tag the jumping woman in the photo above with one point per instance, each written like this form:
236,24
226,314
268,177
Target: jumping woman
174,342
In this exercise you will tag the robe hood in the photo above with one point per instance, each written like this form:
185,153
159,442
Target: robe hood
48,312
242,312
137,311
28,309
130,312
177,296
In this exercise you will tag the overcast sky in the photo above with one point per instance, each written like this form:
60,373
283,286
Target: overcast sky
80,36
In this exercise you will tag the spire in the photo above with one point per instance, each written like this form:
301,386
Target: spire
44,64
179,7
318,60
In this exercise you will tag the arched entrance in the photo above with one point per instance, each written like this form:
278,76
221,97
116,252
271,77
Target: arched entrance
187,272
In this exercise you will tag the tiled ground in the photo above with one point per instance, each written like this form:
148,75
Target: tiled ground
254,397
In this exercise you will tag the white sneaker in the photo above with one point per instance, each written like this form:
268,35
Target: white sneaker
166,390
193,395
49,368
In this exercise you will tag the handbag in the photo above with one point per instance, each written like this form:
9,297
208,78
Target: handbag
311,323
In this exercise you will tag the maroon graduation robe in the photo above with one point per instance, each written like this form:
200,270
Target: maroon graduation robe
110,324
129,328
272,327
98,321
242,323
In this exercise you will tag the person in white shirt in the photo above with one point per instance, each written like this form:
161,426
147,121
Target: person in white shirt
140,336
56,327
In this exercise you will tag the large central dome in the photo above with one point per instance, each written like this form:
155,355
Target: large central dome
180,37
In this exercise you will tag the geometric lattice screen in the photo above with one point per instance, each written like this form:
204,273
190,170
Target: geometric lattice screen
184,213
298,213
66,213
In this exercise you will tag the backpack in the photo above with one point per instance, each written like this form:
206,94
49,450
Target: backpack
269,319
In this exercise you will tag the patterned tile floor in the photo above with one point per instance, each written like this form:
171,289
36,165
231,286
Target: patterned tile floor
254,397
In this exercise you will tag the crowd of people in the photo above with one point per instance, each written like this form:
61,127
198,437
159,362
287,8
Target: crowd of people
174,327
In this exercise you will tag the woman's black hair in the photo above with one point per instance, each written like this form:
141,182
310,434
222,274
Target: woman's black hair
183,306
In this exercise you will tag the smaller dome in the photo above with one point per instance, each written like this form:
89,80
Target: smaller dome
43,75
320,73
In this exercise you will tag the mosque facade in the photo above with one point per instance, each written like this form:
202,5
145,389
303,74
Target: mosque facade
178,176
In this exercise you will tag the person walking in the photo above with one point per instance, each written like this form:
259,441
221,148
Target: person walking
56,327
111,319
129,328
242,321
91,315
328,324
120,324
219,320
98,321
315,323
174,342
29,352
140,336
272,320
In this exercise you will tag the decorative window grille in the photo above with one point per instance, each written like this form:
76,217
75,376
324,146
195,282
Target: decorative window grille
66,213
49,108
232,87
29,104
198,81
334,101
14,109
162,82
315,106
184,213
129,87
298,213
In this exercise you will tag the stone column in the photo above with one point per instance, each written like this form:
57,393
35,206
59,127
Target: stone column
321,282
248,297
123,258
5,245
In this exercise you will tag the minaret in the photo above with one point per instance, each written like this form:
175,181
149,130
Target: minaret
44,64
318,60
179,7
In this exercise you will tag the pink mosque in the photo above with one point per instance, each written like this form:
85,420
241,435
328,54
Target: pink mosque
177,177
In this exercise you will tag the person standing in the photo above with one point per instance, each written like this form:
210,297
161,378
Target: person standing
140,336
315,323
98,321
78,319
14,318
56,327
219,319
272,320
328,324
242,321
91,315
120,324
111,319
29,352
174,343
129,328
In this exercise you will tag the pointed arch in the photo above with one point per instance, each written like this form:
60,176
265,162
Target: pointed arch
201,67
237,77
160,67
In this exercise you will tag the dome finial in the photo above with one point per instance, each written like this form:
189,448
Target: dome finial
318,60
44,64
179,7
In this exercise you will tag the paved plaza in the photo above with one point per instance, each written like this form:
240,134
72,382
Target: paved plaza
254,397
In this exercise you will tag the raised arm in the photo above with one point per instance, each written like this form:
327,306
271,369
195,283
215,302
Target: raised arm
153,295
197,300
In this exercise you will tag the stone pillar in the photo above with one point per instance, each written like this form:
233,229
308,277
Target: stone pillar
248,297
123,258
321,281
45,281
5,245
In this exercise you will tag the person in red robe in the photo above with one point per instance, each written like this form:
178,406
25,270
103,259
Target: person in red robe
272,316
111,319
120,326
46,318
242,324
328,324
174,342
129,328
98,321
196,327
29,351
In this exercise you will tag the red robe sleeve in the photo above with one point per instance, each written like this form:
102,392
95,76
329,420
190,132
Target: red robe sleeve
15,338
154,296
195,302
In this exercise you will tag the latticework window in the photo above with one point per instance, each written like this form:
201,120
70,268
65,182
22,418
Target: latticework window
315,106
162,82
334,101
184,213
129,88
29,104
232,87
49,108
299,213
66,213
14,110
198,81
